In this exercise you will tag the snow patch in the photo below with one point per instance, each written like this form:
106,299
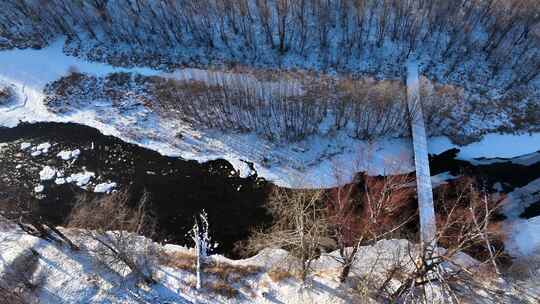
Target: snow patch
442,179
25,145
44,147
67,155
60,181
104,187
490,146
81,179
47,173
518,200
524,239
39,188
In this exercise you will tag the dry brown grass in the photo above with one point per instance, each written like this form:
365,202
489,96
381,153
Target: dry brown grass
191,282
231,273
223,289
179,260
223,275
225,272
279,274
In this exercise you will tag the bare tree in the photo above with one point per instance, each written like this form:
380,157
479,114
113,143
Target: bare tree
203,244
299,227
116,226
464,225
367,211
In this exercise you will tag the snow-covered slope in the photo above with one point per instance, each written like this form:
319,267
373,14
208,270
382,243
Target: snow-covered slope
523,234
61,275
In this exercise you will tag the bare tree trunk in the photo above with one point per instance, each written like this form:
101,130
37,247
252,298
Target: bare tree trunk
198,247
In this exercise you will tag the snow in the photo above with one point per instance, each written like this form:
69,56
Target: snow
60,181
518,200
44,147
25,145
40,149
47,173
75,153
490,146
308,163
29,70
39,188
524,237
437,180
81,179
104,187
67,155
441,179
525,160
68,276
523,234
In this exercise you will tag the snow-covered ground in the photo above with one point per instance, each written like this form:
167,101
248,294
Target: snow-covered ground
62,275
524,234
308,163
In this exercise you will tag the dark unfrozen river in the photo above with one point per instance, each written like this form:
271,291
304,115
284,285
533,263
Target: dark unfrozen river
179,189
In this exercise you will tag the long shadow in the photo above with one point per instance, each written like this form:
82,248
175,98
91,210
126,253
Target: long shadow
19,274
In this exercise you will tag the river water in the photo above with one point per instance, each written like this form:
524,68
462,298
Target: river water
179,189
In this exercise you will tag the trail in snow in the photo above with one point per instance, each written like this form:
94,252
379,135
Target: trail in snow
423,180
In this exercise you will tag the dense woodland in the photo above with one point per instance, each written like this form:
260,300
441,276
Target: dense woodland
482,41
482,56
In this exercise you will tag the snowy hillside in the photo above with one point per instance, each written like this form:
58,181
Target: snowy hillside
61,275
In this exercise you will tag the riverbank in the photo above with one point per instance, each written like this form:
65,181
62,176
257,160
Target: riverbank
307,163
179,189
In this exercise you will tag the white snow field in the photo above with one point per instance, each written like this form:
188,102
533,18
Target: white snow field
67,276
308,163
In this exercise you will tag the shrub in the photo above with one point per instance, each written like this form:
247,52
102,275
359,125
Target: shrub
223,289
179,260
299,227
278,274
7,95
230,272
116,227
